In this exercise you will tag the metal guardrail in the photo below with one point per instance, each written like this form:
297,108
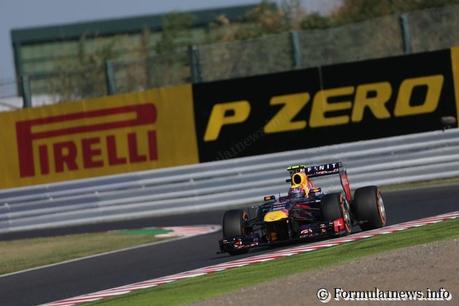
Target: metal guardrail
222,184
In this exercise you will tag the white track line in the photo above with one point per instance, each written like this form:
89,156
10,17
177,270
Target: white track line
180,232
251,260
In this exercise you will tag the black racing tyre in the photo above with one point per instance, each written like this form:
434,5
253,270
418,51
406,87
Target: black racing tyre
333,206
234,223
368,207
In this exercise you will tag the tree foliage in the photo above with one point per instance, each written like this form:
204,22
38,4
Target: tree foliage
315,21
358,10
174,31
161,59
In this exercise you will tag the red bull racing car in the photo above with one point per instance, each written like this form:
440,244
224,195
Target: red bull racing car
304,213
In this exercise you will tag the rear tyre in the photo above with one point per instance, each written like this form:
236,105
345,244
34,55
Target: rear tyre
368,207
334,206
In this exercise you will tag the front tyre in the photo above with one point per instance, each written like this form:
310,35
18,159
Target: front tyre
368,207
234,222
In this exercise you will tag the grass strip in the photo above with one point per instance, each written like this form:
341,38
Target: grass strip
214,284
23,254
422,184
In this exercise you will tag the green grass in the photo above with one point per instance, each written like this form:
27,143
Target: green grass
204,287
421,184
23,254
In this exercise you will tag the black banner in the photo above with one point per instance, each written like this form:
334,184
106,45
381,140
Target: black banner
315,107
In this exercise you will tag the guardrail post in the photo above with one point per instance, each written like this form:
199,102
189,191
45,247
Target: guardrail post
296,50
406,35
25,91
110,78
195,66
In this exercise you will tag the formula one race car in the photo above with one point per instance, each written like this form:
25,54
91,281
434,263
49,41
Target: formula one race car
305,213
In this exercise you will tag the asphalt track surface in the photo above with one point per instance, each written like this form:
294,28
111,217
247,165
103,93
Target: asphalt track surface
91,275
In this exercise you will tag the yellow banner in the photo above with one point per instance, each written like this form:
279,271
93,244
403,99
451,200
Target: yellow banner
102,136
455,68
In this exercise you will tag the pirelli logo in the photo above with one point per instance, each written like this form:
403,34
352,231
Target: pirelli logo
87,140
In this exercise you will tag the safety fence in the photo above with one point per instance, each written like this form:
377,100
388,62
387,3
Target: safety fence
224,184
413,32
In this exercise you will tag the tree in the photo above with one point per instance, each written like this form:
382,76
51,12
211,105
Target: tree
316,21
358,10
83,76
175,32
293,13
268,18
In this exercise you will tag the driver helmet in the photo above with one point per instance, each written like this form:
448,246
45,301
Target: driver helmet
296,192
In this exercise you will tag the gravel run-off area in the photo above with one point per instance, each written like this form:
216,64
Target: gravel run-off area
434,266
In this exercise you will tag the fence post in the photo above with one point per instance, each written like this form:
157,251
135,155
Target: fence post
195,66
18,65
406,35
296,50
26,91
110,78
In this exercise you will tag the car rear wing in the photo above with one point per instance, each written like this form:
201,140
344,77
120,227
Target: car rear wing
323,170
317,170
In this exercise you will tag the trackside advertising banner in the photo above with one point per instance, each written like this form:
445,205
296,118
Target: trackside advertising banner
328,105
103,136
226,119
